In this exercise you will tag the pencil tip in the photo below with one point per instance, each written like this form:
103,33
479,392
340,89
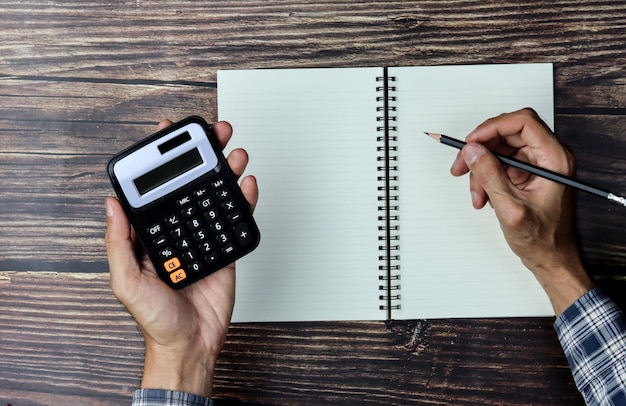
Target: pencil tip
436,137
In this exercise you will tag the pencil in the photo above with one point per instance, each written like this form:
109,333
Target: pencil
535,170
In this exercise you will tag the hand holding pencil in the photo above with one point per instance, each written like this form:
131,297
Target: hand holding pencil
536,214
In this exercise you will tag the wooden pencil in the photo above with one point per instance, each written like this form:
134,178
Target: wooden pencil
536,170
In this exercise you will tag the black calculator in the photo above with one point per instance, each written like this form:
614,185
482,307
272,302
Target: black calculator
184,202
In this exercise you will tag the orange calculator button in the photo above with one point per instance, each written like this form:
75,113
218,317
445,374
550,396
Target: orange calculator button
178,276
172,264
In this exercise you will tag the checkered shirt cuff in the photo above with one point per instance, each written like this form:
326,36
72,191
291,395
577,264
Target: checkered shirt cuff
592,333
159,397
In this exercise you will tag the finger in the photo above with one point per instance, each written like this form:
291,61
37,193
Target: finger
163,124
250,191
478,194
524,134
489,181
120,247
223,132
499,134
505,125
238,160
459,167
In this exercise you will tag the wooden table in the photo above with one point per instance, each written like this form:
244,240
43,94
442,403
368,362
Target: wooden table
80,80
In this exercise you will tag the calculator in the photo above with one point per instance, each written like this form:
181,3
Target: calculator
184,202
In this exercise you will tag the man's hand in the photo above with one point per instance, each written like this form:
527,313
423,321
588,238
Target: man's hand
184,330
536,214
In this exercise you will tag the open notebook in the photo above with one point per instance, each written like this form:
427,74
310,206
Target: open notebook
359,215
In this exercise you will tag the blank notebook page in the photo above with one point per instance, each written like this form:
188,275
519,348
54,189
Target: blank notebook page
311,136
454,260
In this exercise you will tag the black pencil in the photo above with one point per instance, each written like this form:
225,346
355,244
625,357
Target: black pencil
535,170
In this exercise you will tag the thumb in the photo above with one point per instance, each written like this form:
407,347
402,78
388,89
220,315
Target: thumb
120,246
488,182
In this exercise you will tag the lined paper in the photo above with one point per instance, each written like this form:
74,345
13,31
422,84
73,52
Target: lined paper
311,136
454,259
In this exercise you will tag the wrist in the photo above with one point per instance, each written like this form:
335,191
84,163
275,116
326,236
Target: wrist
178,370
564,283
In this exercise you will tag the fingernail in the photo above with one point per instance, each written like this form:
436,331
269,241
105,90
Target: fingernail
109,208
471,152
474,198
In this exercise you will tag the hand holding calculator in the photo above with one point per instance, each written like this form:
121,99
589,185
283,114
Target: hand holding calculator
184,202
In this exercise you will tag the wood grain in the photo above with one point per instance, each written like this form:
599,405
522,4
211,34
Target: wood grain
65,339
80,80
78,96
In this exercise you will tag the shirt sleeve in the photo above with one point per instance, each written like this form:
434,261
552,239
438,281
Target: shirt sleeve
592,333
160,397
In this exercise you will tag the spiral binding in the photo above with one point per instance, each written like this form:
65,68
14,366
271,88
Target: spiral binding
388,198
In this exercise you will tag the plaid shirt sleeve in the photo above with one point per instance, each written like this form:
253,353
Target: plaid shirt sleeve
159,397
592,333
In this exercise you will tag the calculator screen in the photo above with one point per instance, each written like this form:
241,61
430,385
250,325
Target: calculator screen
168,171
164,163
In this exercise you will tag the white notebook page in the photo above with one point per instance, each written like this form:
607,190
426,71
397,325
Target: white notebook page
454,260
311,136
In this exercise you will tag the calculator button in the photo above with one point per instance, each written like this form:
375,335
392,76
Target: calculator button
234,217
189,256
184,244
183,201
172,264
178,276
159,241
206,247
223,194
172,220
155,230
229,249
217,226
211,214
200,192
200,235
189,211
229,205
195,223
196,267
242,233
217,183
211,258
166,253
178,232
205,203
222,238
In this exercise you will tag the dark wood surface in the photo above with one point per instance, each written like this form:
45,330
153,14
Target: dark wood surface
80,80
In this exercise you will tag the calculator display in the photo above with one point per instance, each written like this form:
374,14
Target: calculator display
184,202
160,167
168,171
